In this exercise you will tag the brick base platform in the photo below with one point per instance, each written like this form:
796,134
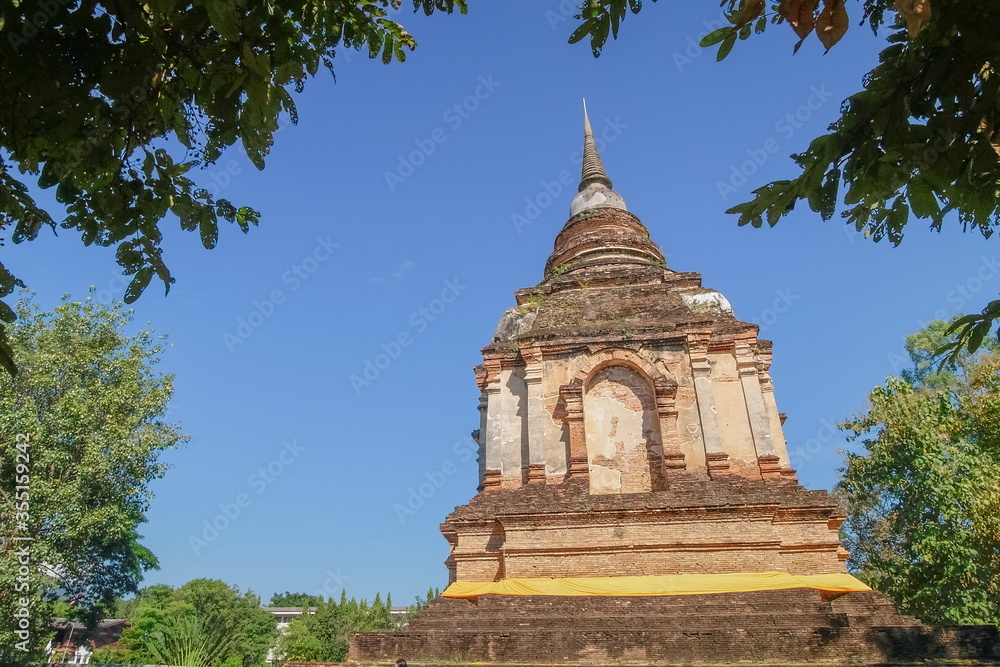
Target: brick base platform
696,525
792,627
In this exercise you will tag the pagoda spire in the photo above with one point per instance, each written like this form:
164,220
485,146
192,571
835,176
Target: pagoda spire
593,168
595,186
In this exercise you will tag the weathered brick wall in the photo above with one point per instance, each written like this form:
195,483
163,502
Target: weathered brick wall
770,627
722,525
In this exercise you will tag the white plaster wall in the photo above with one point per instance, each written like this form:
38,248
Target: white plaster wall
481,441
689,432
513,422
777,434
494,421
555,373
731,408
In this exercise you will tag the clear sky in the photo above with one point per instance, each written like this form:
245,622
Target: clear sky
441,176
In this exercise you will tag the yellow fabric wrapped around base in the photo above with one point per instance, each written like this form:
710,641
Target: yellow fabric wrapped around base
671,584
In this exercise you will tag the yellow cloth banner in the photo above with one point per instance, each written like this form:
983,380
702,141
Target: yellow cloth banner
672,584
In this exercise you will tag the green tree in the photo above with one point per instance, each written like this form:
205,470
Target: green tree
923,502
204,623
114,104
300,641
111,655
191,640
920,141
82,427
325,634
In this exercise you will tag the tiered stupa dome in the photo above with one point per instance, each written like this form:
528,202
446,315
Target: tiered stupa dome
606,276
600,229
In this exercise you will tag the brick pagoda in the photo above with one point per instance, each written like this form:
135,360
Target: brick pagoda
628,428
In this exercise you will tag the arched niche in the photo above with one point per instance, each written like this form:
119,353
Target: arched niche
621,429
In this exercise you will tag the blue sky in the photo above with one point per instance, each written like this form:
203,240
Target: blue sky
406,207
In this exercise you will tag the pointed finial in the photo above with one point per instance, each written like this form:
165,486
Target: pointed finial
593,168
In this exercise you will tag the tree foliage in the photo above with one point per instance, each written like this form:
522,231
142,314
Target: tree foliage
921,141
324,634
289,599
92,409
114,105
204,623
923,501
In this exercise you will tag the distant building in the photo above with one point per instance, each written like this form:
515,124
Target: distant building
66,647
285,615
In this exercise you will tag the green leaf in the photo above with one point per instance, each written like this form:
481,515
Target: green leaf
716,36
224,17
976,336
6,353
246,216
209,229
387,50
921,198
828,200
600,34
48,177
726,47
287,72
138,284
66,193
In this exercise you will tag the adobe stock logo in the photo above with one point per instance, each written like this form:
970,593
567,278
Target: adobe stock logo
455,116
264,308
419,321
259,481
786,126
549,191
432,480
783,301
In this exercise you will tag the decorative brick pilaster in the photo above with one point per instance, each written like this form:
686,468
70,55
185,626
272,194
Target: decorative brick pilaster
673,457
491,480
572,397
492,476
753,397
718,463
536,473
536,415
716,458
479,435
770,466
673,461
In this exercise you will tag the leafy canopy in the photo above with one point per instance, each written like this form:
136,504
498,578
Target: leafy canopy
289,599
922,499
93,411
204,623
323,634
920,141
114,104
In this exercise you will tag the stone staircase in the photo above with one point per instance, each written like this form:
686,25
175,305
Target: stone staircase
799,626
